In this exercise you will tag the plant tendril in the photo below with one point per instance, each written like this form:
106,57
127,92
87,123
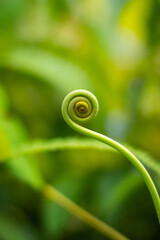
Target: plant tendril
79,107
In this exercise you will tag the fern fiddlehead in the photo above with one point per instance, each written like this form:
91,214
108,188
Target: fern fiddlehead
79,107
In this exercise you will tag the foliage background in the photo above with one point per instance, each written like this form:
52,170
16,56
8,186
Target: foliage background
47,49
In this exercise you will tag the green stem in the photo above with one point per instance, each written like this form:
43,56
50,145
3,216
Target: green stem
73,121
54,195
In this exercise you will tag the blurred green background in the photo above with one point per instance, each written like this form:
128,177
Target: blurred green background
47,49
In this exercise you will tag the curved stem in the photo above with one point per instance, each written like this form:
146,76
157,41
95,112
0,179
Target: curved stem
131,157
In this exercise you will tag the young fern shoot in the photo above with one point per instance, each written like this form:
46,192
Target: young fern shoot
79,107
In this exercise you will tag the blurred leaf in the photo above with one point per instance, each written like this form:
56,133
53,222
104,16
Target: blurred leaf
60,73
26,170
22,167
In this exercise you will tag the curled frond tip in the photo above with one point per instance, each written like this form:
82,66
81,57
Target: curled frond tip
80,106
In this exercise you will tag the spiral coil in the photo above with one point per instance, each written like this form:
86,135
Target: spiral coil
81,106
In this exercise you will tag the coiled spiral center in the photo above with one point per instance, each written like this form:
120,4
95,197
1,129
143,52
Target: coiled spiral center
81,106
